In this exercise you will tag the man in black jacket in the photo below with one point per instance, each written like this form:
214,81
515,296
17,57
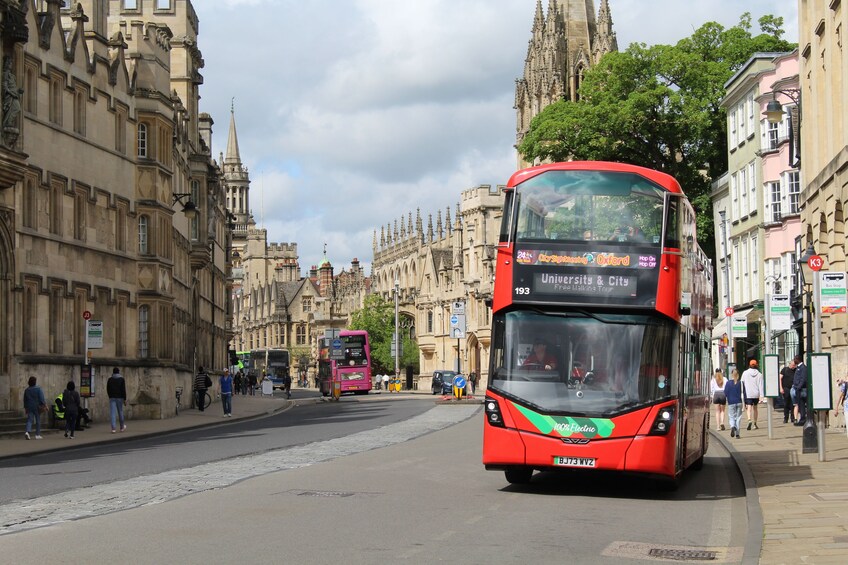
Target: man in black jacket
787,376
799,388
116,389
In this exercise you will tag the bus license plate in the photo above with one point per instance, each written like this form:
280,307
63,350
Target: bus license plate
574,461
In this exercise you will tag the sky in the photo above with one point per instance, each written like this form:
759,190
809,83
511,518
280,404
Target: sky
352,113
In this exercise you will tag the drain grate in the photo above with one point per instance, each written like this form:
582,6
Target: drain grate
683,554
325,493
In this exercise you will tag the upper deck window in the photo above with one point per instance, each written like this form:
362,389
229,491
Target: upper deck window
589,205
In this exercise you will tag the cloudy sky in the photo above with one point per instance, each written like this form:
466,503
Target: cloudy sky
352,113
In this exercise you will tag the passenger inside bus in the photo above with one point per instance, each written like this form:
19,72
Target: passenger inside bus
540,359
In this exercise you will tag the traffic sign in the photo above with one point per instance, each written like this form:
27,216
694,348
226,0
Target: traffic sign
728,311
86,315
454,320
337,344
816,262
458,307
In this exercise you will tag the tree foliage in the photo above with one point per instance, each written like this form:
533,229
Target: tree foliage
658,106
377,317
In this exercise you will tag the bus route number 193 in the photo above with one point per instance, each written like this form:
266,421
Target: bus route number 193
522,290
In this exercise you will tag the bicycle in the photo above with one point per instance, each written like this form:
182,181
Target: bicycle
207,400
179,393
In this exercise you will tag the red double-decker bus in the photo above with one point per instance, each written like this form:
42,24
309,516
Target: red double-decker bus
600,329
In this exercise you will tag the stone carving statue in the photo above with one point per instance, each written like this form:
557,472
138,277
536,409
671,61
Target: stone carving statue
11,103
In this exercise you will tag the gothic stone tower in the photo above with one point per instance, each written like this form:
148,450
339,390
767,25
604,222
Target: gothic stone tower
562,46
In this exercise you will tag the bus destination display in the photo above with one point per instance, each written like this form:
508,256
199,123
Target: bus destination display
613,286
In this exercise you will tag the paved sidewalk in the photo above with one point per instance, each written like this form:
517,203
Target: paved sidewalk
802,502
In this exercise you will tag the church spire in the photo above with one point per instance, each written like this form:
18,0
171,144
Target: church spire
233,156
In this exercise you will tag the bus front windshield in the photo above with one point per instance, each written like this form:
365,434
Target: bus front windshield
589,206
574,363
354,351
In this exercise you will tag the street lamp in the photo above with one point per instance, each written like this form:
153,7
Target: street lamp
189,208
808,277
397,335
774,114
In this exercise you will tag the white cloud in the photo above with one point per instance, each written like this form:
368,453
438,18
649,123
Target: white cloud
353,113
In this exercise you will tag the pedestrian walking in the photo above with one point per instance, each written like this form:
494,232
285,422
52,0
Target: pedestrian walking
472,381
225,382
237,383
842,385
116,390
733,393
752,391
799,391
287,382
719,398
202,382
34,405
386,382
251,383
73,403
787,374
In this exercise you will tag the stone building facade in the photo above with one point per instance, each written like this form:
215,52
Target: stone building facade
274,306
563,44
451,261
823,68
103,147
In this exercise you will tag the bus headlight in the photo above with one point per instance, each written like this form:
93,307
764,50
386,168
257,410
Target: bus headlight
663,421
493,413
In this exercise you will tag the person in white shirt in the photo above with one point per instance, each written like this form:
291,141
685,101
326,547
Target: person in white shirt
718,397
752,391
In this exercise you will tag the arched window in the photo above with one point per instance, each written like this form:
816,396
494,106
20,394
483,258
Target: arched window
142,140
143,332
301,334
143,247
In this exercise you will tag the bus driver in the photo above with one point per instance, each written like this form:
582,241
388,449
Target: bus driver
540,358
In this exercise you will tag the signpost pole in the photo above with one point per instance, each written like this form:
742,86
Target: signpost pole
769,402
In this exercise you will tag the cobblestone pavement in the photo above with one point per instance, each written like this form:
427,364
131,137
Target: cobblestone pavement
802,502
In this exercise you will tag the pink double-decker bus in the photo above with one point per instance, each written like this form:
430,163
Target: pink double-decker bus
352,370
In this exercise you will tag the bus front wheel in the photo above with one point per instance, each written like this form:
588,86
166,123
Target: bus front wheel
520,476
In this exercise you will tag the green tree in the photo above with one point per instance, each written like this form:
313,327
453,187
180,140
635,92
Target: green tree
658,106
377,317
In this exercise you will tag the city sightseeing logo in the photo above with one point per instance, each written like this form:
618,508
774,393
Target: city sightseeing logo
533,257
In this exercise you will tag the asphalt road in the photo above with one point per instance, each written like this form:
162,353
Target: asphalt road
48,473
405,492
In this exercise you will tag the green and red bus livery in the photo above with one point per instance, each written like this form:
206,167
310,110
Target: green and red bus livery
600,329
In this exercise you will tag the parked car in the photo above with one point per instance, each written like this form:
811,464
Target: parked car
443,382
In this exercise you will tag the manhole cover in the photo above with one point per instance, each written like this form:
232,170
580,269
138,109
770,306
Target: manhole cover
683,554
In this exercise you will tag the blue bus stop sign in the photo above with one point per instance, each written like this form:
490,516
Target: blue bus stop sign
337,344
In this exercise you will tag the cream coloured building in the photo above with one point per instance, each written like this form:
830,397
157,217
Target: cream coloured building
435,267
823,68
103,148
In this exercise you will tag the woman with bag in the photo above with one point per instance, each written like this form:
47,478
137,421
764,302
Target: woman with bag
719,398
